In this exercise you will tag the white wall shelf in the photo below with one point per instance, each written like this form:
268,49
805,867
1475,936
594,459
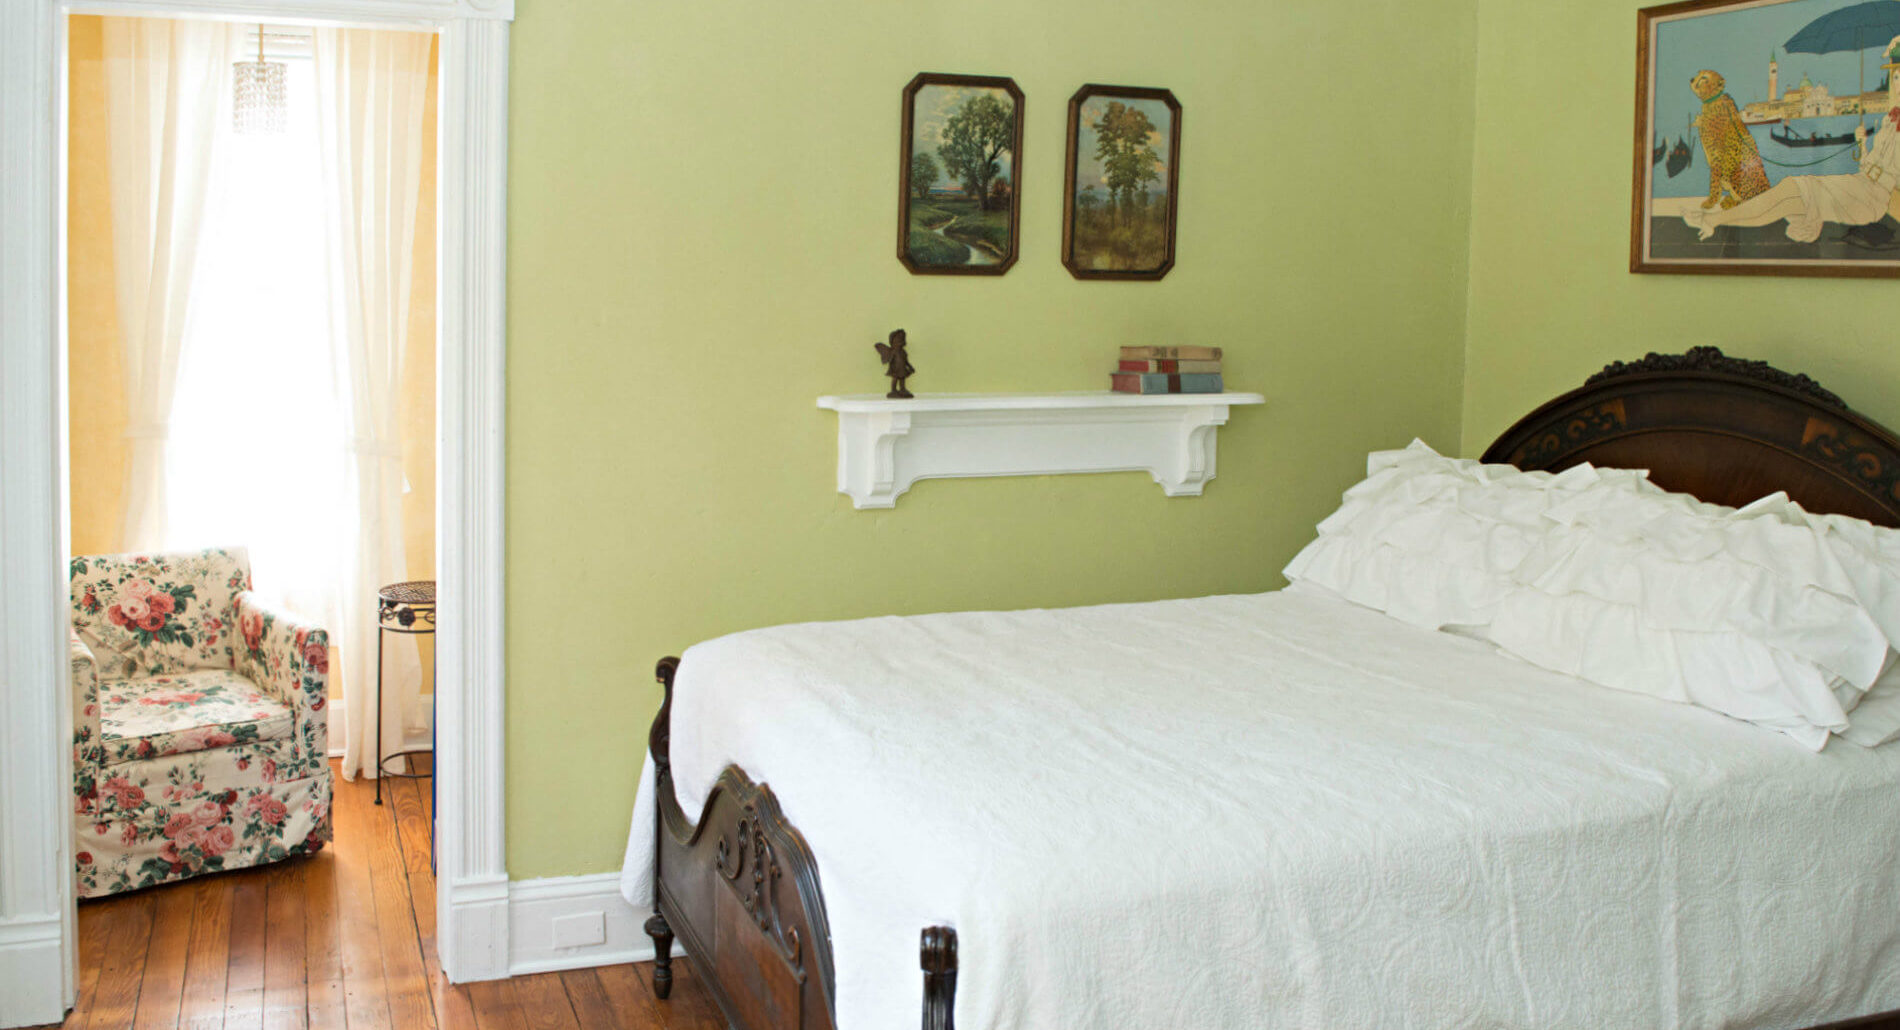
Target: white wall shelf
886,445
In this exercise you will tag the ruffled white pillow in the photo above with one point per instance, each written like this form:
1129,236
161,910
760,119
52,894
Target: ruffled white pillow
1766,613
1433,541
1876,720
1869,558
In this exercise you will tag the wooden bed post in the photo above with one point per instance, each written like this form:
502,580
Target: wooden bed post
938,952
659,740
662,935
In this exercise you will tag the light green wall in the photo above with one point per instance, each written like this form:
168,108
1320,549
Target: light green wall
1552,299
701,242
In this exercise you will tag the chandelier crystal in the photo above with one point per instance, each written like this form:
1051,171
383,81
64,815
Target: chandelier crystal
262,99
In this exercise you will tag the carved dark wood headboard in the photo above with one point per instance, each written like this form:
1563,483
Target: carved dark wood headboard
1726,430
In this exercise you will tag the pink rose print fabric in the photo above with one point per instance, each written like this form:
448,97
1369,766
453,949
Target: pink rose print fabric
200,739
193,711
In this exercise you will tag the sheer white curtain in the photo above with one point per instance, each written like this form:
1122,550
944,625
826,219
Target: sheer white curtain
370,90
167,91
256,450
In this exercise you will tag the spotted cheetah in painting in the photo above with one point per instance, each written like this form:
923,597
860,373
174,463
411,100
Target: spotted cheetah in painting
1735,169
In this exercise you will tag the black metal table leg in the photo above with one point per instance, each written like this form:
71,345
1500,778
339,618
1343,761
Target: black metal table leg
409,609
379,706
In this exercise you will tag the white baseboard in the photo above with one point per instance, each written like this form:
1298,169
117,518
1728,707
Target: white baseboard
477,932
573,922
32,972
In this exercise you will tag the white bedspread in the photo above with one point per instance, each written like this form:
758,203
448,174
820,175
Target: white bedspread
1286,811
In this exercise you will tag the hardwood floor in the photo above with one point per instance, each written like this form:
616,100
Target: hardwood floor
344,938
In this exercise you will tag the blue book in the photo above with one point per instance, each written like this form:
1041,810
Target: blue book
1161,382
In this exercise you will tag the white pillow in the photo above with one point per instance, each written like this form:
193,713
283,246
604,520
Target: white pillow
1435,541
1866,566
1750,612
1869,557
1728,672
1698,568
1765,613
1876,720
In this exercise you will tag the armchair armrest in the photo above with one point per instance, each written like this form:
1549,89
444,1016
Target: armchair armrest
290,661
88,753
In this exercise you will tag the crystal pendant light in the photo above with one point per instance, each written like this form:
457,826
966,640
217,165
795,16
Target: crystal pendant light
262,99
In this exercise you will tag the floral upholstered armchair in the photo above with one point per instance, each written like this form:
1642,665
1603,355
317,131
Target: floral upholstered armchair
199,731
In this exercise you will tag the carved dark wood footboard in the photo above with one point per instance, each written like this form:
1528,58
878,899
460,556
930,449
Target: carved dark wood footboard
740,891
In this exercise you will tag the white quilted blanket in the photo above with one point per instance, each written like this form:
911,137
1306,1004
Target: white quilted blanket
1286,811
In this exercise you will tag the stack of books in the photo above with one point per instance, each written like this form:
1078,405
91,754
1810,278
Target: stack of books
1168,370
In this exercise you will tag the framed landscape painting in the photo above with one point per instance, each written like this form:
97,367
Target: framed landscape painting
1121,177
1767,138
958,204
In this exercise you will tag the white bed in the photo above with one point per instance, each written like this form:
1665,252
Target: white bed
1284,810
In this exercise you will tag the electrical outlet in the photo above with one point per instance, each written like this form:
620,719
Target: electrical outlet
581,930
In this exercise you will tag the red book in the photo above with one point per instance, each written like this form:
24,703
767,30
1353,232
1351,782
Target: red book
1172,365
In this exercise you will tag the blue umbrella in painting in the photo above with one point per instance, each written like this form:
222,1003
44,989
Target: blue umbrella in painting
1859,27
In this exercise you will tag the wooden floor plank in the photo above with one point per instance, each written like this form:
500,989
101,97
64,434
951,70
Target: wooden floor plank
410,808
413,806
329,941
162,985
244,978
97,921
323,944
408,985
495,1005
208,966
629,994
366,998
688,1006
544,1002
592,1008
453,1008
286,989
116,995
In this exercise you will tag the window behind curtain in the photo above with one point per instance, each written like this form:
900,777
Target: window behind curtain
255,456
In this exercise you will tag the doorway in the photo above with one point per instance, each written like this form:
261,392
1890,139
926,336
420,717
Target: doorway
252,430
36,889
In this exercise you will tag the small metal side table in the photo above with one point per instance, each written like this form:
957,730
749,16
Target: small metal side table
407,608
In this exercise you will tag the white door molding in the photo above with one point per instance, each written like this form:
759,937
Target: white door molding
36,894
36,880
472,861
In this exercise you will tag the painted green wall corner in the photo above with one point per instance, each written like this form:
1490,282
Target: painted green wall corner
1552,299
701,233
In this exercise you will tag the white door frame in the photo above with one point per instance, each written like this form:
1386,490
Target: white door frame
37,936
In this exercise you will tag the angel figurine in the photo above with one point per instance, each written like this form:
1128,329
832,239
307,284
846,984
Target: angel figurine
896,364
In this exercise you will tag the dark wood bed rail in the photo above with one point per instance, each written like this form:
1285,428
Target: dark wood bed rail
739,888
1726,430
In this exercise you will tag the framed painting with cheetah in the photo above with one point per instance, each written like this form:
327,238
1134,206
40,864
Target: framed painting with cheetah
1767,138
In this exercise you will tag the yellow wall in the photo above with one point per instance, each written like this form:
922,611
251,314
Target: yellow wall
417,391
97,390
96,394
701,232
1551,297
